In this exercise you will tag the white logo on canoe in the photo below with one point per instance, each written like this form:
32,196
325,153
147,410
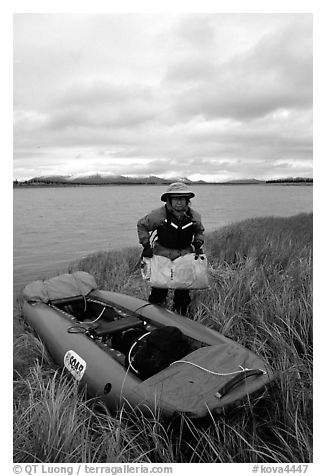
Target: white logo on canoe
75,364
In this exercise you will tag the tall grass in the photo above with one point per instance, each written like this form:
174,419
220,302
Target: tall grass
260,296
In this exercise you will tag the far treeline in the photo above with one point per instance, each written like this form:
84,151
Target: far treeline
291,180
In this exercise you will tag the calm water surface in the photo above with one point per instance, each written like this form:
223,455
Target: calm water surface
55,226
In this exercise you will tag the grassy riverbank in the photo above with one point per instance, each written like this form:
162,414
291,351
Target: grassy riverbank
260,296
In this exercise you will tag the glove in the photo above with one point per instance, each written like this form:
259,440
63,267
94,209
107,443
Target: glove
199,252
198,248
147,251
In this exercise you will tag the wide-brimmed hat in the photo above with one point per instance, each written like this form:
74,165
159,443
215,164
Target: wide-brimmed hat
177,189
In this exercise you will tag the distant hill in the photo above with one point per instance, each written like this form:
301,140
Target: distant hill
244,181
98,179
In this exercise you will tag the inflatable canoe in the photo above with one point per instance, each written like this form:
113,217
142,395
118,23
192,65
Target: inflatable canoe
79,325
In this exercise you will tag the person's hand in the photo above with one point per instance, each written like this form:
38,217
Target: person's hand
198,249
147,251
199,252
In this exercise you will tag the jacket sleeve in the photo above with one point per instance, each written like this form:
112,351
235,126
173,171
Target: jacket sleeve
199,228
149,223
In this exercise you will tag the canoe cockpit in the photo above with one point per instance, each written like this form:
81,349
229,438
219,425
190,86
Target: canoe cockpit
113,328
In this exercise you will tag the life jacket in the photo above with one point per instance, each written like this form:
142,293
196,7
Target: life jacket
176,234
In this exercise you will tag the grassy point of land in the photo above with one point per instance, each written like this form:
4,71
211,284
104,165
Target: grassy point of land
260,296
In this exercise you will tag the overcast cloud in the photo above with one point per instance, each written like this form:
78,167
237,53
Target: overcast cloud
207,96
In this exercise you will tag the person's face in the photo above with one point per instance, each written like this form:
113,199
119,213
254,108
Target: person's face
179,203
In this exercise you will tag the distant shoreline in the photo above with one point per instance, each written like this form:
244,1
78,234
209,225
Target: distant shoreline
56,185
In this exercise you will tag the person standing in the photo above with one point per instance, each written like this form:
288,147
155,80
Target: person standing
179,232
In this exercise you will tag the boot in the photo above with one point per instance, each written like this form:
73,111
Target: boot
181,301
183,309
158,296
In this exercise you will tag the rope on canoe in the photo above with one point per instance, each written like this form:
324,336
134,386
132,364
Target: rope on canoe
77,330
96,319
211,371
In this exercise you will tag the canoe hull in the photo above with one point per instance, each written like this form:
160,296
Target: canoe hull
190,387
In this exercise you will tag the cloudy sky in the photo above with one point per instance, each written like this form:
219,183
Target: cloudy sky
207,96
